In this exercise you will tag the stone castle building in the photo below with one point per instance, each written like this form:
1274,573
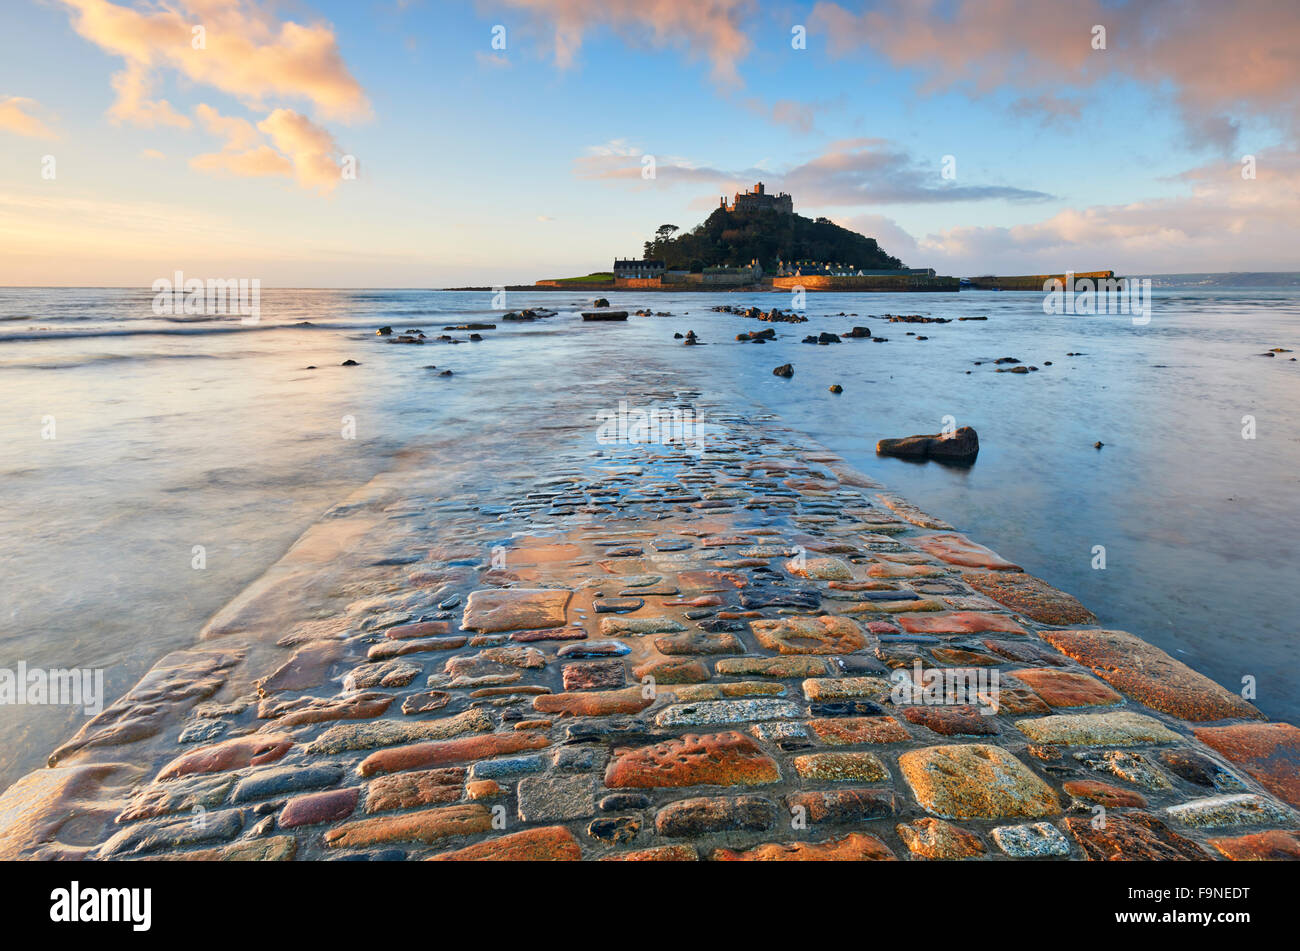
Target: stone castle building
759,199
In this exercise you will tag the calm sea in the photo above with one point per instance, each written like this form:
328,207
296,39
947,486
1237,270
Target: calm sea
172,433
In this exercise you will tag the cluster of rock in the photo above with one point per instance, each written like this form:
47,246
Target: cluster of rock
530,314
775,315
411,335
916,319
1015,366
415,335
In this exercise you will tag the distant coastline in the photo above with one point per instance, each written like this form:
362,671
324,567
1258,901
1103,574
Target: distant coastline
1220,279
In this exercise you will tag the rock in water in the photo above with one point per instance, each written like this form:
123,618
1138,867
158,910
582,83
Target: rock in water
786,370
960,447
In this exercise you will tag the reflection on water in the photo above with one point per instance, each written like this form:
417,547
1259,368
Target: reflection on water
176,433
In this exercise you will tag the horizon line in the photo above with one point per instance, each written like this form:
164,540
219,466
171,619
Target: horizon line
409,287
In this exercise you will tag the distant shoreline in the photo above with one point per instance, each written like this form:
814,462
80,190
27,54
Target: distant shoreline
1253,280
700,289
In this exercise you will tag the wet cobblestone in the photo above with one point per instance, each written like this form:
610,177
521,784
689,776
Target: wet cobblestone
635,657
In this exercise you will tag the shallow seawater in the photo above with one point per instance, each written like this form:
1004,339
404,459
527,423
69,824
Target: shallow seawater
176,433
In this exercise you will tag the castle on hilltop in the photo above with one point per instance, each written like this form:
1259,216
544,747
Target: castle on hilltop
758,199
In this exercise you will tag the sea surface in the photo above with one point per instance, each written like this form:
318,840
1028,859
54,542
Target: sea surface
152,467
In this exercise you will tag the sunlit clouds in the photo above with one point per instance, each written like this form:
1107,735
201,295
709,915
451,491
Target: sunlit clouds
242,50
711,29
238,48
21,117
1214,59
847,173
521,139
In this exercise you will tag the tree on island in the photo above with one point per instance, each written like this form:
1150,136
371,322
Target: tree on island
662,233
734,238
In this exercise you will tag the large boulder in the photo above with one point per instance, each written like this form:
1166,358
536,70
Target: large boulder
960,447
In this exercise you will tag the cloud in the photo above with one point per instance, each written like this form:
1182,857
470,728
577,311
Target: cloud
1218,60
260,162
619,160
892,237
153,155
799,116
133,86
240,49
310,148
244,153
1223,222
711,29
871,172
849,173
16,117
302,149
244,52
238,133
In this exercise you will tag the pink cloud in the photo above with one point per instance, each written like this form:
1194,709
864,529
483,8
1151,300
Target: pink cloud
310,148
1224,222
16,117
133,105
302,149
1219,60
244,51
258,162
847,173
708,28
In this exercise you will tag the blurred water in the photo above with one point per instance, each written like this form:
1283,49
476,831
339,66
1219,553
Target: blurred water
171,433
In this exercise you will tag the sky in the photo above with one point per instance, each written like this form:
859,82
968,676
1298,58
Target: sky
415,143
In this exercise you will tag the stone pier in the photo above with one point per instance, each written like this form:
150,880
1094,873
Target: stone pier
741,652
